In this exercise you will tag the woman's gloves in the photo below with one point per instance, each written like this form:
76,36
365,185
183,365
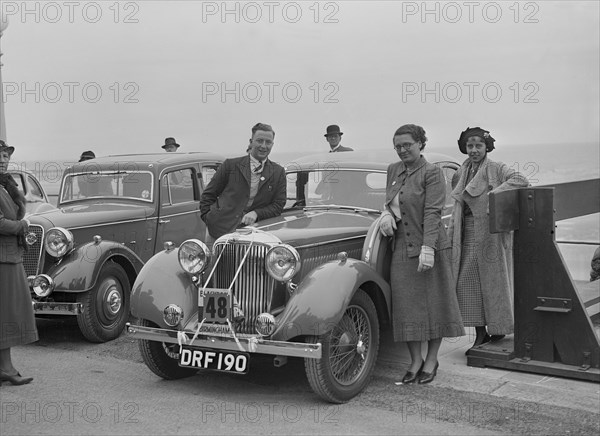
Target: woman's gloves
426,258
387,225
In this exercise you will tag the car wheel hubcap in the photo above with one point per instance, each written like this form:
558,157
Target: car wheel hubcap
113,301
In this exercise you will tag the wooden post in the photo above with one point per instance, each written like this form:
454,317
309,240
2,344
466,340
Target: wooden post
553,332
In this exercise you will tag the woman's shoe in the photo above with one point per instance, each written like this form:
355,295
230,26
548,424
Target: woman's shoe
495,338
427,377
15,379
482,340
411,377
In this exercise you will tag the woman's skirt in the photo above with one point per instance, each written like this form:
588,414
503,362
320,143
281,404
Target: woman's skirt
424,305
468,288
17,320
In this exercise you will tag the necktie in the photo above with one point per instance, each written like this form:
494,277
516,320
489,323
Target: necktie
259,168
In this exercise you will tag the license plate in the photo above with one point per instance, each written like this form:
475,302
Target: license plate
215,360
215,305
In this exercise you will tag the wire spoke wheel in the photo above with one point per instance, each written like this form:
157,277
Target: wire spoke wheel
349,352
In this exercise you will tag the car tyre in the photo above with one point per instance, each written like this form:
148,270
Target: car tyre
106,307
162,358
349,353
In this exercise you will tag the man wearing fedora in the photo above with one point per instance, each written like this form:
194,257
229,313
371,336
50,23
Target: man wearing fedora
334,136
87,155
245,189
170,145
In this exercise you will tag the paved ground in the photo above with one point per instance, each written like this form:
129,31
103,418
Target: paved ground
83,388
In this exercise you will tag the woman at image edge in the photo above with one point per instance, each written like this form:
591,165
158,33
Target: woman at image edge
484,273
424,306
17,321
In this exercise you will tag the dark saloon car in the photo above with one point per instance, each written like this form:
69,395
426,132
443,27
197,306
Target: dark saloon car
311,283
113,214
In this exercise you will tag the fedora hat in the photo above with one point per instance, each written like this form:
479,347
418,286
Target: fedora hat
87,155
333,130
5,147
170,141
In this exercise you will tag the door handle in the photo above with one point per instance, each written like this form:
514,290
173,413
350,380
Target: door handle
163,221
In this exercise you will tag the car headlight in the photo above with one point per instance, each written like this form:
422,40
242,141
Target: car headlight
193,256
58,242
282,262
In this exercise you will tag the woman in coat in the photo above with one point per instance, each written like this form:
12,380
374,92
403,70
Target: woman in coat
17,321
424,303
484,273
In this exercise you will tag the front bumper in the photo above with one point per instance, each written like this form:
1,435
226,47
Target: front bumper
53,308
246,343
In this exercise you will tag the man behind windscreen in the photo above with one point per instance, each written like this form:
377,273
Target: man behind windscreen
245,189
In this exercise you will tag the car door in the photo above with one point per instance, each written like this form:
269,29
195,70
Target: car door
179,203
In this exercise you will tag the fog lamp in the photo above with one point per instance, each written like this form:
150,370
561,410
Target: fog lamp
43,285
172,315
265,324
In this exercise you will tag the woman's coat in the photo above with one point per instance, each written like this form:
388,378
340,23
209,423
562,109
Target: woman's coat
494,251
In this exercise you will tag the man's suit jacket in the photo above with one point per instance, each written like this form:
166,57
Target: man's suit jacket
224,201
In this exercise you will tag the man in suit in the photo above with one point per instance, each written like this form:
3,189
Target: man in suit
334,137
246,189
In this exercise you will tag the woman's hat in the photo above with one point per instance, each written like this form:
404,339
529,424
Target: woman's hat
333,130
87,155
5,147
170,141
475,131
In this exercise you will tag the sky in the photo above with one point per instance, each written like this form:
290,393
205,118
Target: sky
119,77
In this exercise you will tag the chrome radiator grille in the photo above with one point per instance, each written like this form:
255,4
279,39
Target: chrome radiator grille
253,287
31,258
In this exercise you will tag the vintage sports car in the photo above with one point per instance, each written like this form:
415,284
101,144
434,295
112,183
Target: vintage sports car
113,214
32,190
311,283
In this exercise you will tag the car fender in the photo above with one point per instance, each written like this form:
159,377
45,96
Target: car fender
161,282
79,270
322,296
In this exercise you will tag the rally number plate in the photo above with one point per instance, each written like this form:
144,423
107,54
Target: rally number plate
215,360
215,305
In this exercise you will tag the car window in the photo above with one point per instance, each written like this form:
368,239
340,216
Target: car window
135,185
338,187
35,190
177,187
207,173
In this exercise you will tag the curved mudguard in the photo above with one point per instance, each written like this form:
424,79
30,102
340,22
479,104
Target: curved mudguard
321,298
161,282
78,271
